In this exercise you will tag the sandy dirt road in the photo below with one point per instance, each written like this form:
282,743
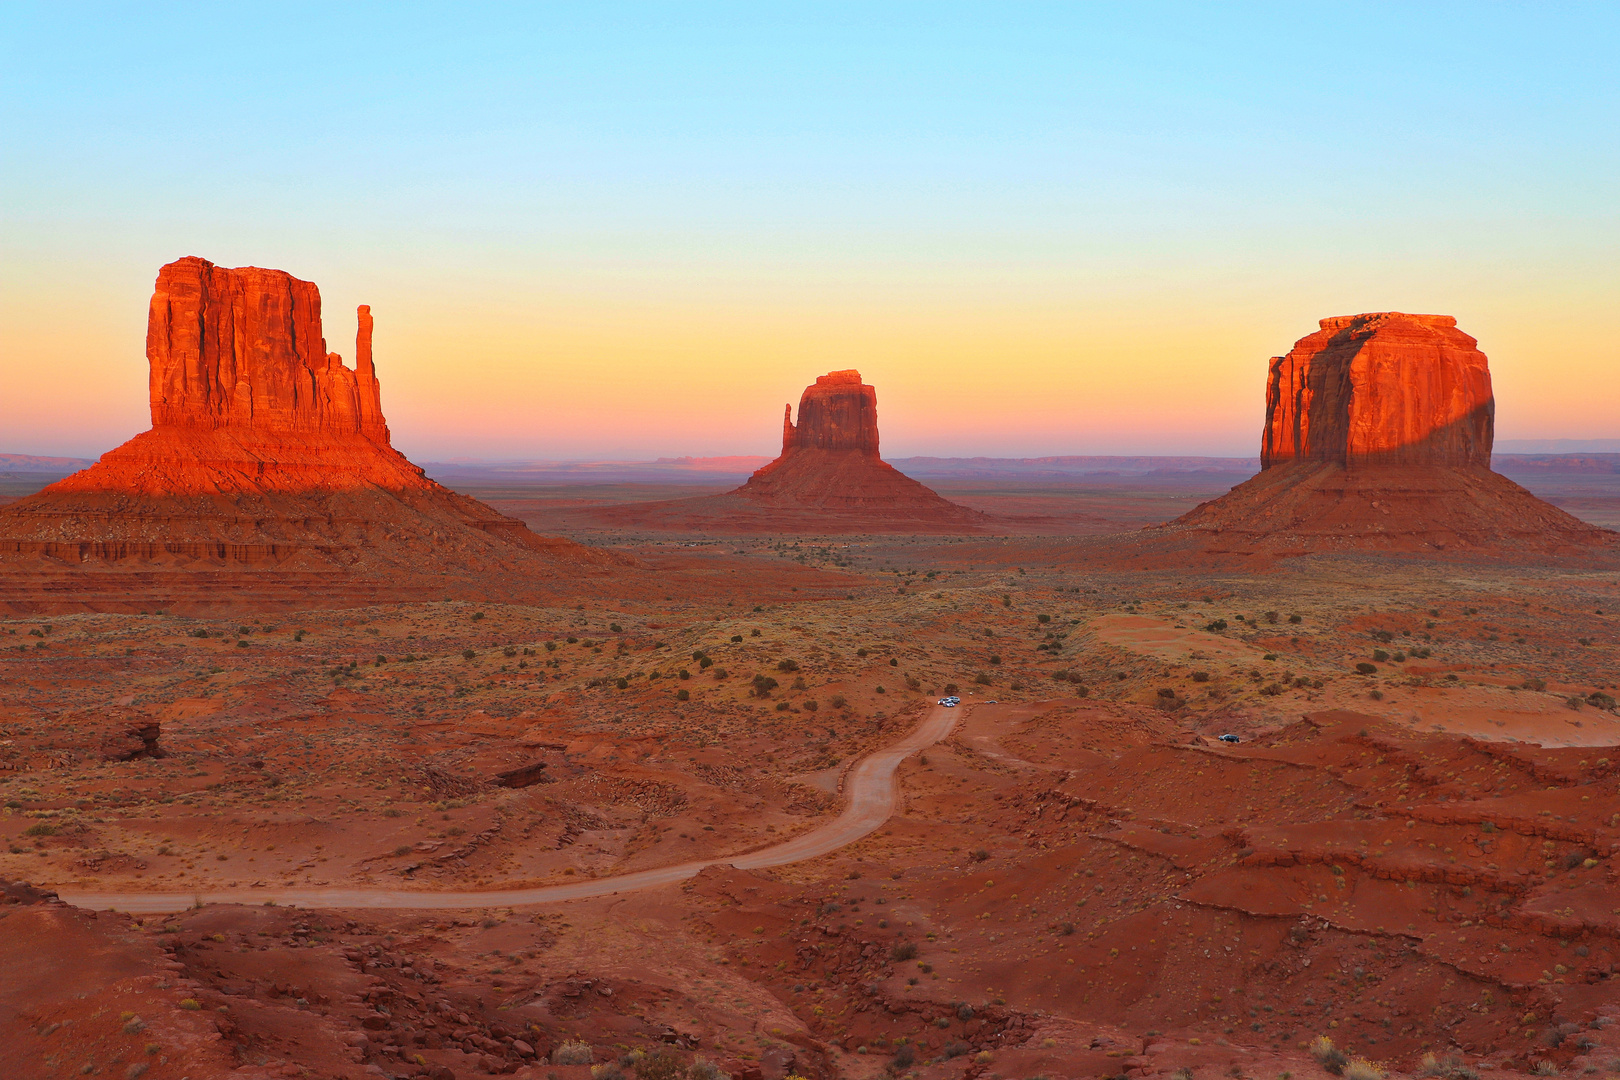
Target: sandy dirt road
870,796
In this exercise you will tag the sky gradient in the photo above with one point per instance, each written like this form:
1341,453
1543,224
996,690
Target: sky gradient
623,231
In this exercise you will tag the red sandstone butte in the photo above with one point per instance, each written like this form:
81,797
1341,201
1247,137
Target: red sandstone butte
1378,435
828,479
830,461
1381,389
265,450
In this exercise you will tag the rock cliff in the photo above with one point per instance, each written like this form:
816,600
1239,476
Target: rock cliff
243,348
838,412
1381,389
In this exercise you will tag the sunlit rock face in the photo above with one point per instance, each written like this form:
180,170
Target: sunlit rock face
1384,388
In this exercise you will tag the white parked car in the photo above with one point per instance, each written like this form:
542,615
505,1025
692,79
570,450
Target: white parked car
950,702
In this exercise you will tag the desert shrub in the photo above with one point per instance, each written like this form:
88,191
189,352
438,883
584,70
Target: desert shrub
763,685
720,673
903,1058
1600,700
1365,668
1545,1068
1296,618
1167,692
683,673
1006,600
1215,626
1452,1068
783,706
838,701
1271,689
982,679
964,1012
1328,1056
683,695
979,855
951,688
705,663
1271,616
956,1048
901,951
551,646
894,661
572,1052
995,658
811,705
913,683
199,632
1376,695
861,652
467,654
622,683
703,1069
1200,676
660,1066
879,690
1534,684
1043,618
40,828
1380,656
799,683
609,1071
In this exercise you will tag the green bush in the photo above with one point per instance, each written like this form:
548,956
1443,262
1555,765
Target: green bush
1365,668
683,695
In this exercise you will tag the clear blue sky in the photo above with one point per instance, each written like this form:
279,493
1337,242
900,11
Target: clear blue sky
573,218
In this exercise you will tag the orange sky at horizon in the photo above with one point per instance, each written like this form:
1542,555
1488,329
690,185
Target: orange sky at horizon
484,375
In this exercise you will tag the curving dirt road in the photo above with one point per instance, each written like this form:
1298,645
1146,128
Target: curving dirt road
869,790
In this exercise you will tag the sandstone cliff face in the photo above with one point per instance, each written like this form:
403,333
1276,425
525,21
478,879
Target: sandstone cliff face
1385,388
838,413
243,348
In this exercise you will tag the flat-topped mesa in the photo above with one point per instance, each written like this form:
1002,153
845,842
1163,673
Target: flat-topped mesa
243,348
839,412
1378,436
1383,388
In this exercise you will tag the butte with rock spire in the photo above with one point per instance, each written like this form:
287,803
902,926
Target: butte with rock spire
1378,437
828,478
266,454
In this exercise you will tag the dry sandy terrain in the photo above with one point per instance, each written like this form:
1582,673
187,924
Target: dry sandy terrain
1080,880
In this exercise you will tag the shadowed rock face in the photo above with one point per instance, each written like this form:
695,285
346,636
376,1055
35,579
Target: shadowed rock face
1381,389
243,348
838,413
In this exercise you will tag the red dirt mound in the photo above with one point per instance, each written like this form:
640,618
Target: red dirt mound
266,453
1378,435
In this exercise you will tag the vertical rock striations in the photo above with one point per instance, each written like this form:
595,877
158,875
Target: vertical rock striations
1381,389
839,412
243,349
1378,435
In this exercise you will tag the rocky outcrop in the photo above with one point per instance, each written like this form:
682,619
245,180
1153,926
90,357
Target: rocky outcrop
828,479
1378,436
266,451
1380,389
243,348
839,412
